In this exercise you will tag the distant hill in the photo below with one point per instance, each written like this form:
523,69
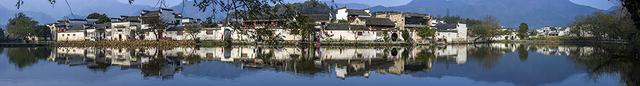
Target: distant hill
45,12
195,12
537,13
6,14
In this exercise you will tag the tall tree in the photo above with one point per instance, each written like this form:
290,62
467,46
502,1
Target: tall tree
156,24
633,7
209,23
102,18
21,26
522,31
486,30
193,30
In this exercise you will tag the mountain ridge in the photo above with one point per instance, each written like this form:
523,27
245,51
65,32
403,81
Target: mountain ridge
537,13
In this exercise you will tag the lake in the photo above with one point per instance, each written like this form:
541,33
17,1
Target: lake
457,65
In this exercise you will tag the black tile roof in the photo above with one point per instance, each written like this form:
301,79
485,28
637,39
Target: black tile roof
358,27
337,26
446,27
415,20
176,29
318,17
358,12
377,21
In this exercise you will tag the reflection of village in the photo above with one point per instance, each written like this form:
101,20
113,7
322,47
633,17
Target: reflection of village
344,62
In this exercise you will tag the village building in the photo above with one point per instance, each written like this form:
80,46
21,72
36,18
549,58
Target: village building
407,21
71,30
344,14
347,32
451,33
167,17
124,29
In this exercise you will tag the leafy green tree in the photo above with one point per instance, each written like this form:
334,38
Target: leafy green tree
606,26
486,30
102,18
425,32
304,27
523,30
21,26
42,31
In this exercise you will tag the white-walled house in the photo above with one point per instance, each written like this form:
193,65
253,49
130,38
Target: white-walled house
122,30
346,32
452,33
348,14
71,30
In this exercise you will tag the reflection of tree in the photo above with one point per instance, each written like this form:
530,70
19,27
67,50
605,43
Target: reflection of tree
607,59
24,57
424,57
523,53
487,54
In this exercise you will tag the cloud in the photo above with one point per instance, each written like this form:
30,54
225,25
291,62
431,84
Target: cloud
598,4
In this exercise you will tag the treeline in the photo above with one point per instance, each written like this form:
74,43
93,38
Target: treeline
615,25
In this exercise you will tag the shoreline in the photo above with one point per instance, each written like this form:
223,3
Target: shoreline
169,43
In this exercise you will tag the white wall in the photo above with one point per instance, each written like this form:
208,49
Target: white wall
342,14
348,35
459,35
70,36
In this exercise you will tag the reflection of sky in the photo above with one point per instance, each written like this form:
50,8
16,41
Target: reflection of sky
509,70
536,70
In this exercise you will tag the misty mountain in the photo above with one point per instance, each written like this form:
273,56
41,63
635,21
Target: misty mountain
44,12
7,14
537,13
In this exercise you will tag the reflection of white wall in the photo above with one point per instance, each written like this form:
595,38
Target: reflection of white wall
459,53
349,53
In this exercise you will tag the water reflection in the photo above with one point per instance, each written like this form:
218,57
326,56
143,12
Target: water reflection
519,64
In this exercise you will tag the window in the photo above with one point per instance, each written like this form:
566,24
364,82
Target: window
359,33
379,33
74,34
243,55
209,32
180,33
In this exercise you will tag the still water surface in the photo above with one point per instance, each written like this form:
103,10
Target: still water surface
459,65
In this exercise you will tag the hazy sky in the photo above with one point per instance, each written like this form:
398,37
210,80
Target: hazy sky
600,4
